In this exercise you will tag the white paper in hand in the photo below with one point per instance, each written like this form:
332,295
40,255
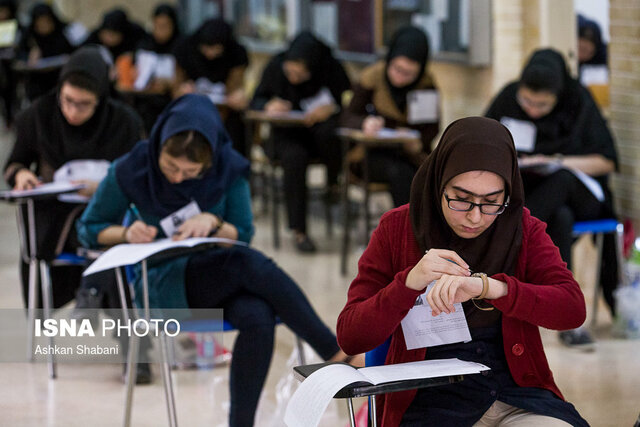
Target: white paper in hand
421,329
320,99
171,222
523,132
422,106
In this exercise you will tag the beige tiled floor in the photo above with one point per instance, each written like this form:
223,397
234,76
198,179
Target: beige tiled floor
603,385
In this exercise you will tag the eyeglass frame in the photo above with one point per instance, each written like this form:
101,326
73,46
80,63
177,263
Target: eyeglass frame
472,205
80,106
543,108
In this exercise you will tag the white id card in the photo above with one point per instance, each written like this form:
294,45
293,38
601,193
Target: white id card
171,223
421,329
422,106
523,132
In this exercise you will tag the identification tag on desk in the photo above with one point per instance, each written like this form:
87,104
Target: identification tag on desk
422,106
523,132
172,222
421,329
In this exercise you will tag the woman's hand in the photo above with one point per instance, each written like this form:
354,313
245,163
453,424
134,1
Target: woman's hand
139,232
536,159
25,180
319,114
433,265
237,100
449,290
199,225
277,105
372,124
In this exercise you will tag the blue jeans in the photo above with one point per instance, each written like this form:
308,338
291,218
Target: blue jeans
252,290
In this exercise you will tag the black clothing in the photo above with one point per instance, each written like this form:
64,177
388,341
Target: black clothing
327,72
464,403
574,127
294,147
166,48
45,139
412,43
117,20
196,65
54,44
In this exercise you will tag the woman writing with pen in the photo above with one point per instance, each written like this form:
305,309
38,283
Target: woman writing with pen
381,99
466,211
188,160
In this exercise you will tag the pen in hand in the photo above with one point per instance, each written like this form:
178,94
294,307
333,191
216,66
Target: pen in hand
140,231
135,211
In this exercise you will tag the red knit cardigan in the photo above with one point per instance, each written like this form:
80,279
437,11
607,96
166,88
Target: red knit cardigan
542,292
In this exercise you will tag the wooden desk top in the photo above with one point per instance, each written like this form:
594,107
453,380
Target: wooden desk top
358,136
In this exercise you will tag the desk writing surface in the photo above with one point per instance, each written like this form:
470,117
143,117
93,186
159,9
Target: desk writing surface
50,189
387,137
42,65
288,118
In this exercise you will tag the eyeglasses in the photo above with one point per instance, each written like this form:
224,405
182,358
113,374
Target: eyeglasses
80,106
467,206
542,107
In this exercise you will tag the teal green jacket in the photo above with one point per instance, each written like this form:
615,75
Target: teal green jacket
109,206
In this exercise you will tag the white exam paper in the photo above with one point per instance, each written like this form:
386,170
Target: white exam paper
308,403
422,106
388,133
523,132
171,222
421,329
320,99
42,189
132,253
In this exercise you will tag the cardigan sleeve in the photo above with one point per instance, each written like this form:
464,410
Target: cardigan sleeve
106,208
548,295
238,209
378,299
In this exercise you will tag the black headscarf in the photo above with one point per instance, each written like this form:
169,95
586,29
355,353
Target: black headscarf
11,5
141,179
110,132
590,30
470,144
151,44
53,44
195,64
412,43
117,20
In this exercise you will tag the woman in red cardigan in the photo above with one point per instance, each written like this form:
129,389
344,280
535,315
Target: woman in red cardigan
466,216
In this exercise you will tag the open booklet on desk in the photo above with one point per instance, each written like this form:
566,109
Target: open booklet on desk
132,253
50,188
547,168
323,381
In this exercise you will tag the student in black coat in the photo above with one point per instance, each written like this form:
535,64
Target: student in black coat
44,38
566,133
292,80
212,55
117,33
8,10
76,121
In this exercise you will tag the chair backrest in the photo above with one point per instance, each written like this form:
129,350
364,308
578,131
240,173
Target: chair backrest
378,355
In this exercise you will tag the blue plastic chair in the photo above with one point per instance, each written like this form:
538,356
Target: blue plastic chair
599,228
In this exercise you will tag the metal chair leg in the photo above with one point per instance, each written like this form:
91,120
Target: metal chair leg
167,382
132,363
596,293
31,310
47,305
352,414
372,408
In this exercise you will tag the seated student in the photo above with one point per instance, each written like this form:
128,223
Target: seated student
156,65
211,61
8,10
304,77
466,214
121,37
188,158
381,99
566,133
77,121
45,37
592,50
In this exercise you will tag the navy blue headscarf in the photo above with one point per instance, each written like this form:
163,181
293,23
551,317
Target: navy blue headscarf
139,175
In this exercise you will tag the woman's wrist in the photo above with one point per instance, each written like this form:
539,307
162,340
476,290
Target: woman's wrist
124,234
216,225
